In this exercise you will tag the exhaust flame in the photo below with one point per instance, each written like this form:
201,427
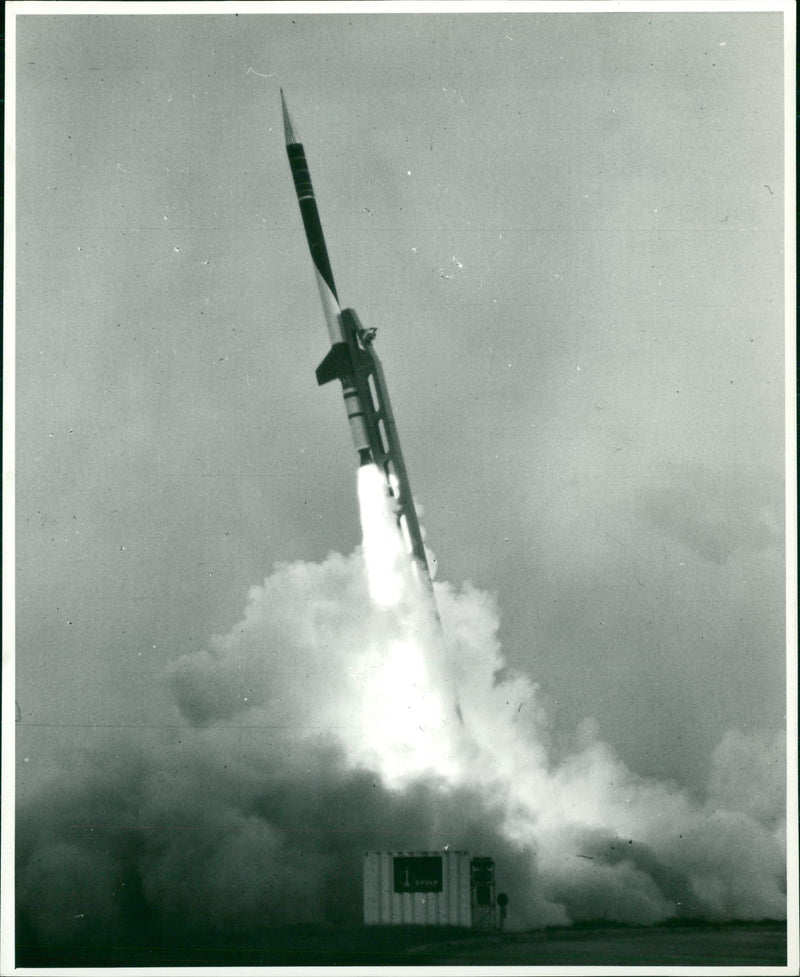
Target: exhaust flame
385,554
406,694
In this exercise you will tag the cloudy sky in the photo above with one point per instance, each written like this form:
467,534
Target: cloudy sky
568,230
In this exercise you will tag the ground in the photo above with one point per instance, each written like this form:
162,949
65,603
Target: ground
681,944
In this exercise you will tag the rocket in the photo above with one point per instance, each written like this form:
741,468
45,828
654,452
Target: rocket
353,361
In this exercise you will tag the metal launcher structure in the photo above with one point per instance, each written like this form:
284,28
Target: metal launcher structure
358,366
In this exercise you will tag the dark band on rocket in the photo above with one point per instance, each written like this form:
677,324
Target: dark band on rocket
310,214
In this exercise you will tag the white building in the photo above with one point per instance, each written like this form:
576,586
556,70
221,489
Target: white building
429,888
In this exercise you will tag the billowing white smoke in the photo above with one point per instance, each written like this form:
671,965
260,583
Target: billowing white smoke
349,650
338,715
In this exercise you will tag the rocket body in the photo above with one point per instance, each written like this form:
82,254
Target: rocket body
353,361
324,275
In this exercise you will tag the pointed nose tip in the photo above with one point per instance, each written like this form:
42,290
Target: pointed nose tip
288,128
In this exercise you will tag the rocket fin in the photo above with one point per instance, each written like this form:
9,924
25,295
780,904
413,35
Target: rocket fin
337,364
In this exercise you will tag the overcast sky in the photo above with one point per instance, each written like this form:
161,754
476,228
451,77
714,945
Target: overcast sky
568,230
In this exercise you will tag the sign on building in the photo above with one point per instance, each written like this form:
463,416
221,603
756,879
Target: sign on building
417,873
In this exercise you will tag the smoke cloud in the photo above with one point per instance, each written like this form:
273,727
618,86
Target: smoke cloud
336,716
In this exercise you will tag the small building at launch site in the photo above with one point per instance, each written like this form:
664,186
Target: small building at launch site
429,888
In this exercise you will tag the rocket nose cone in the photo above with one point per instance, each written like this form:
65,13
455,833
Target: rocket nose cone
288,128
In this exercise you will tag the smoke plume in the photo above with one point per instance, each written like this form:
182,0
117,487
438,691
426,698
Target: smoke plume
339,715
